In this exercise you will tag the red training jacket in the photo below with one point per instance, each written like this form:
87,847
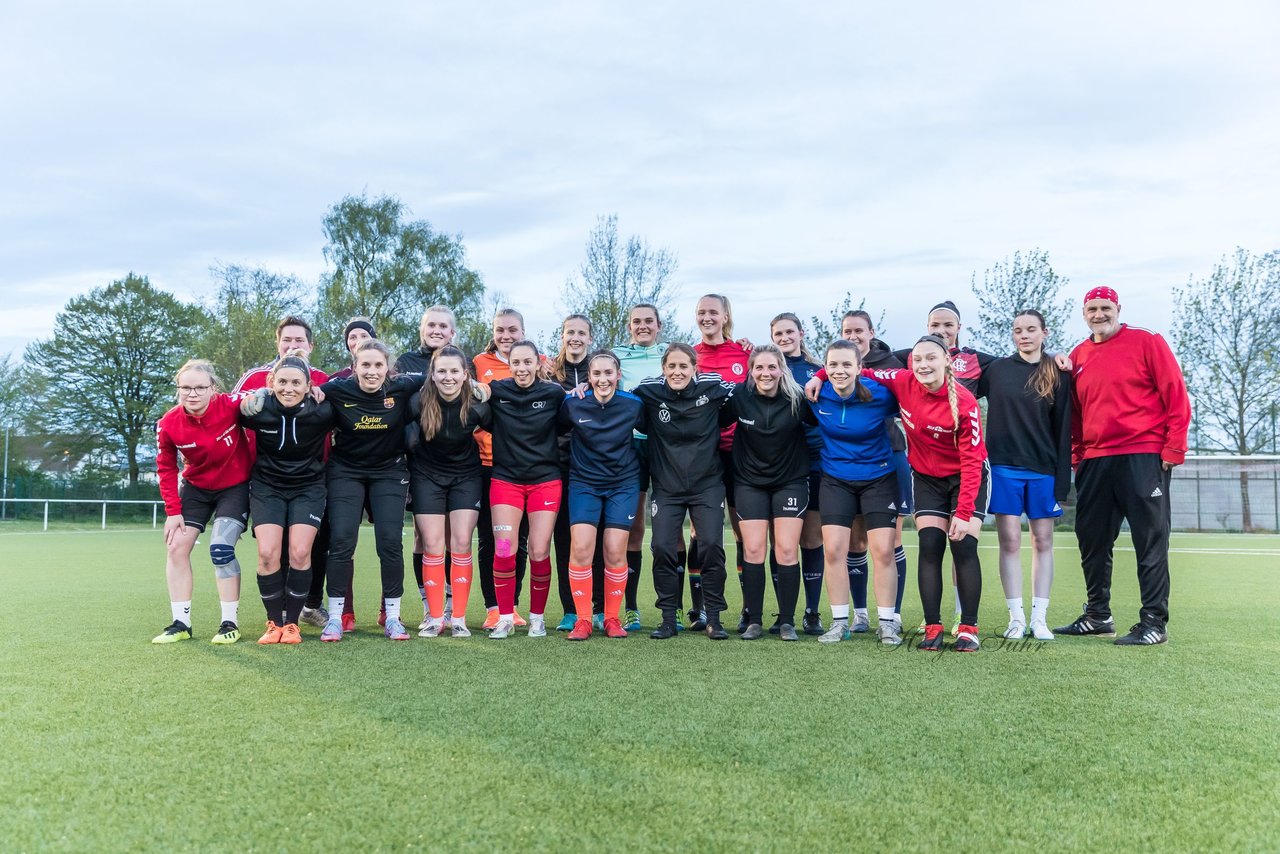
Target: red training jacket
1130,398
728,360
936,444
215,451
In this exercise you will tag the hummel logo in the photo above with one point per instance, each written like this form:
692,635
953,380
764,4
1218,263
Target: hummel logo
1157,493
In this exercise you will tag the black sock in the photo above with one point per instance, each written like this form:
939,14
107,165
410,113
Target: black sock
696,602
788,592
271,587
297,584
681,557
773,571
900,558
857,565
753,591
968,578
933,545
811,563
635,561
417,568
737,559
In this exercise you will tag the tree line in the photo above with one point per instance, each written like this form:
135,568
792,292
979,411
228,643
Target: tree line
98,384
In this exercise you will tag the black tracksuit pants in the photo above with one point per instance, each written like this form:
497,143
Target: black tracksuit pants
706,511
1111,489
385,490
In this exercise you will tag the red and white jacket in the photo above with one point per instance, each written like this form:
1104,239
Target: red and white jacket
936,445
1129,398
729,360
215,452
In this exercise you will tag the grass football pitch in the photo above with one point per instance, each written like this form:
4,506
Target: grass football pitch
111,743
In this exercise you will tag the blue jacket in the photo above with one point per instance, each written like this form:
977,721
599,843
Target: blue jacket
802,371
601,452
855,445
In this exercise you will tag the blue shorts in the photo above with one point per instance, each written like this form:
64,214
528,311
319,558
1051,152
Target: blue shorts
1015,491
617,504
906,505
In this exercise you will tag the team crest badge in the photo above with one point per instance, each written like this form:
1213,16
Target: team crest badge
702,401
388,403
653,508
960,364
664,415
737,369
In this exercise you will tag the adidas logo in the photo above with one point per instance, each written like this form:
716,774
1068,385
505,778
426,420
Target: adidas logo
1157,493
893,505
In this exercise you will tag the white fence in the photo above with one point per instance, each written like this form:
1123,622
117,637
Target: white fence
42,507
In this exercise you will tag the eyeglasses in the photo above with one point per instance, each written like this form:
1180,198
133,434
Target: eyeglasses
185,390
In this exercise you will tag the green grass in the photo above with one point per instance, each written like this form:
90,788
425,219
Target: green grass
112,743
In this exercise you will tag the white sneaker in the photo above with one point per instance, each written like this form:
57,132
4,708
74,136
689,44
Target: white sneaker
431,628
839,631
503,629
458,628
889,633
537,626
1016,631
1040,630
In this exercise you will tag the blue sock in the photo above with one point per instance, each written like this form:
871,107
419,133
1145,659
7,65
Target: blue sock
900,558
811,571
856,563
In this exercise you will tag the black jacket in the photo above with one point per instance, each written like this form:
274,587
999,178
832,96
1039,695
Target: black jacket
291,442
770,448
1023,429
524,431
684,432
452,452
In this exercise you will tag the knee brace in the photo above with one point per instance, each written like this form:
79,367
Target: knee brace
222,547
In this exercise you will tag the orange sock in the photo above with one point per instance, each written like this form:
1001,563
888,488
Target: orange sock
615,583
433,584
580,586
460,564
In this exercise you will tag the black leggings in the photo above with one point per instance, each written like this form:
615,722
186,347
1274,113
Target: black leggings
385,492
484,554
933,546
706,512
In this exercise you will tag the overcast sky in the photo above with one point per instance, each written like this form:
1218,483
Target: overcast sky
785,153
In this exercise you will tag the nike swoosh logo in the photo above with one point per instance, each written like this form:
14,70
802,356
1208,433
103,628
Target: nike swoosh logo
632,516
823,412
349,405
583,420
548,503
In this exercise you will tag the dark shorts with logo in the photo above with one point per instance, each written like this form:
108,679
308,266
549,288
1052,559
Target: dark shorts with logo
304,505
789,501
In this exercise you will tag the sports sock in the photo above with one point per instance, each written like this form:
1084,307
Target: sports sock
753,591
539,585
433,584
392,604
504,584
737,558
635,563
861,612
231,609
695,576
461,568
788,592
336,604
840,613
580,587
297,585
417,574
900,558
615,584
933,545
271,589
856,564
885,614
681,557
1039,609
968,578
811,571
1016,614
181,612
773,572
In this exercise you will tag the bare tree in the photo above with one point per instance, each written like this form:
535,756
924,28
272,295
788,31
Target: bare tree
1225,331
616,275
1014,284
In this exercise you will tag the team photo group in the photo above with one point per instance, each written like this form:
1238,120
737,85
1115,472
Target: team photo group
560,466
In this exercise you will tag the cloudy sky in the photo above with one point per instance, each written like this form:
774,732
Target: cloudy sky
786,153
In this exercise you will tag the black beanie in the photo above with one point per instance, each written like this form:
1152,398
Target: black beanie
358,323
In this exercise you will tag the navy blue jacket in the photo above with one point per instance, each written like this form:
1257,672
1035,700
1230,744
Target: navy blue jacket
855,445
802,370
601,451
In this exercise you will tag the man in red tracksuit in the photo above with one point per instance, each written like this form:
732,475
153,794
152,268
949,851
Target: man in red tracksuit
1129,427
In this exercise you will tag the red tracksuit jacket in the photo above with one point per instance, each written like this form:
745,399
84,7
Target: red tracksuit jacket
214,449
1129,398
728,360
936,444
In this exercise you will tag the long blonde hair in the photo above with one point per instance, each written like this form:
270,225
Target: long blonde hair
727,329
786,383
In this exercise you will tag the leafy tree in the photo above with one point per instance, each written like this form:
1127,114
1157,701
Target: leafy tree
240,330
1013,284
616,274
822,331
389,269
107,372
1225,335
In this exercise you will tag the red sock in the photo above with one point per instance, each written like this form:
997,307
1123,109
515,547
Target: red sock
615,584
433,584
539,584
460,566
580,586
504,583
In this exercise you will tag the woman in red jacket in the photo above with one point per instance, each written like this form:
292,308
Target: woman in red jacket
950,481
203,429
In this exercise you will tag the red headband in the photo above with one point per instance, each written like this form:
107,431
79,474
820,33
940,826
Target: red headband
1103,292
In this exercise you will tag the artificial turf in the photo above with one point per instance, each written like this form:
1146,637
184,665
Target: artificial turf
111,743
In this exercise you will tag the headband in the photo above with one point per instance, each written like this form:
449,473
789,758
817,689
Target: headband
1103,292
359,324
294,362
946,306
934,339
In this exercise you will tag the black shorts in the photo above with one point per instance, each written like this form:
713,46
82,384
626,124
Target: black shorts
436,496
937,496
789,501
726,477
876,501
642,453
303,505
815,491
201,505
